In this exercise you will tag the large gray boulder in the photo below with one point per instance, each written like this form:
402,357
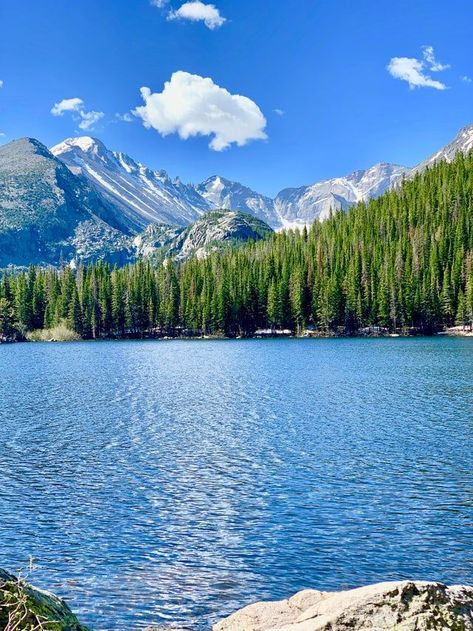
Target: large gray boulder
394,606
27,608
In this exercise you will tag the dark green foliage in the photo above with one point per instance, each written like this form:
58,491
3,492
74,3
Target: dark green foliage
403,261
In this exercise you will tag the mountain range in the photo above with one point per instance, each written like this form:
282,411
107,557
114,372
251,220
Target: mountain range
150,196
142,196
80,201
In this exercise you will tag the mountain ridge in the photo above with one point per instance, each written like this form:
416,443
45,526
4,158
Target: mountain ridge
146,196
81,202
177,203
143,196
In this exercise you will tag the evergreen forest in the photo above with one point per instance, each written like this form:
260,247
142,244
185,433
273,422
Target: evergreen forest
403,262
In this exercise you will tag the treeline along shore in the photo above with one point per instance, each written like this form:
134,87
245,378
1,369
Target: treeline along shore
403,262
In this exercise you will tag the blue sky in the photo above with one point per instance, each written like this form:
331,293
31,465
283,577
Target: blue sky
322,63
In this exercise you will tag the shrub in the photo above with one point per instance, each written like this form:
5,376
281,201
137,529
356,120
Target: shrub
59,333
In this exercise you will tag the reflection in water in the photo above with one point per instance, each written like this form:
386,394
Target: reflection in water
159,482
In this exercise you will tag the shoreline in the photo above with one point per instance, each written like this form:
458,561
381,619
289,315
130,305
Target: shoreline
401,604
256,336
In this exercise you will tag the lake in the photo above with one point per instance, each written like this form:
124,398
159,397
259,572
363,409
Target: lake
163,482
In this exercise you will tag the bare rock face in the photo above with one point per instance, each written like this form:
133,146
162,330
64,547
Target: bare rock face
393,606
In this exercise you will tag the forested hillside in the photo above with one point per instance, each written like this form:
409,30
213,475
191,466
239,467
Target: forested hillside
402,261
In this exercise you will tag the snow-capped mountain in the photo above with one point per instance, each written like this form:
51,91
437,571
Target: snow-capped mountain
222,193
82,202
48,214
52,216
302,206
143,197
462,143
140,195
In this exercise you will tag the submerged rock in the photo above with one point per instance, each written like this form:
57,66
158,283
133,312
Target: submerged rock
393,606
27,608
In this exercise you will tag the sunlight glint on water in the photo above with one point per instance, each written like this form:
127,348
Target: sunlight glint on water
159,482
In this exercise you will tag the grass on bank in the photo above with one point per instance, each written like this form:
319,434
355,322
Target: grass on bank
59,333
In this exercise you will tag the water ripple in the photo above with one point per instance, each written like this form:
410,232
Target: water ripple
173,482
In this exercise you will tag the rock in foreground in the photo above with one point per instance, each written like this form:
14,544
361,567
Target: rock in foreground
394,606
26,608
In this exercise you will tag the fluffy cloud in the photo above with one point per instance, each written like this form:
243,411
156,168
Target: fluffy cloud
191,105
197,11
85,119
1,83
415,71
159,3
465,78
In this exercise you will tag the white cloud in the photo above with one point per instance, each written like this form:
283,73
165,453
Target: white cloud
125,118
412,70
67,105
429,56
1,83
88,119
415,71
197,11
191,105
159,3
279,112
2,134
85,119
466,79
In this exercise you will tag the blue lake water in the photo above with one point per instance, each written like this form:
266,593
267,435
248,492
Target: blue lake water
173,482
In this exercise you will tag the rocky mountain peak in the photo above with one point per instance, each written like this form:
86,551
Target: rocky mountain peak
86,144
25,145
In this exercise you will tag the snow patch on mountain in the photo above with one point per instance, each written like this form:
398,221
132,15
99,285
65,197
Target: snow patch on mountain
141,196
302,206
222,193
462,143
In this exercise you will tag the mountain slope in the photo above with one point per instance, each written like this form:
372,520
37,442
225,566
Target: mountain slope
462,143
214,231
222,193
140,196
44,208
302,206
49,216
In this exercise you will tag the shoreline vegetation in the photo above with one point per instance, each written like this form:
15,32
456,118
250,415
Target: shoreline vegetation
400,264
62,333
